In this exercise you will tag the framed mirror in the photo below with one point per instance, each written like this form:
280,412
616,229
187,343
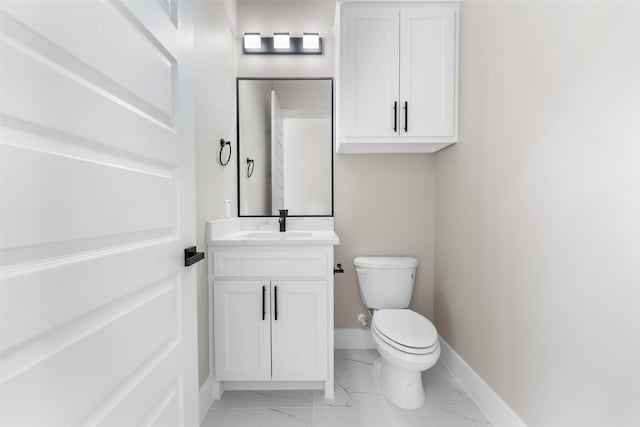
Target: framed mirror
285,146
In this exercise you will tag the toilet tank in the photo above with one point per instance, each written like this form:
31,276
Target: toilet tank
385,282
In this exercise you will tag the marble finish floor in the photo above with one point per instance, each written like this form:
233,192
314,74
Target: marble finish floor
358,402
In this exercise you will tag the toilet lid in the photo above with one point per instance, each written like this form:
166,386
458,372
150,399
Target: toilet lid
406,327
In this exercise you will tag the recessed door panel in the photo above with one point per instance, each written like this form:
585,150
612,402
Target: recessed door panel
370,72
427,71
299,332
242,332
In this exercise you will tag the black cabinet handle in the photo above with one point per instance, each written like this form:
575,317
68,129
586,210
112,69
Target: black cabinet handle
406,115
191,256
264,290
395,116
275,302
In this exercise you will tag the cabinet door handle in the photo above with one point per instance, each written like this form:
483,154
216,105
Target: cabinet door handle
275,302
406,115
395,116
264,290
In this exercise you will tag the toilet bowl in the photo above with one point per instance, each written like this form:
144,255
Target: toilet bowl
408,344
407,341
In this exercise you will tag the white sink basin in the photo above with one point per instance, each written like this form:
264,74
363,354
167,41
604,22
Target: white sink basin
278,235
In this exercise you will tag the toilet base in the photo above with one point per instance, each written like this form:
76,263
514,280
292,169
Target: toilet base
401,385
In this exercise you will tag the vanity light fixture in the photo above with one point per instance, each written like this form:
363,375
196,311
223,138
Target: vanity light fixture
281,41
311,41
282,44
252,41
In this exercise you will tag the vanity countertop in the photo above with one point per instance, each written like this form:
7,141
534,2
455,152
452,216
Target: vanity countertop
294,237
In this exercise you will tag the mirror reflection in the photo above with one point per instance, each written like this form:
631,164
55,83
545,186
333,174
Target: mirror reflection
285,145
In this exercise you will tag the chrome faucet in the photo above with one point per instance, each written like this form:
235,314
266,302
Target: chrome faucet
283,219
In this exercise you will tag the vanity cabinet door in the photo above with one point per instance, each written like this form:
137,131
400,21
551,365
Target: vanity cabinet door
299,330
242,333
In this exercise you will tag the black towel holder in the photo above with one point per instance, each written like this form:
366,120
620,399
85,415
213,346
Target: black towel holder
222,144
250,166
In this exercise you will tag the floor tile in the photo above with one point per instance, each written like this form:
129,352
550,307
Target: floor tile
272,417
347,385
346,398
265,399
373,416
411,417
350,360
458,416
443,389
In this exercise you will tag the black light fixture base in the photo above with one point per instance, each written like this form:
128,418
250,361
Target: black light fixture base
295,48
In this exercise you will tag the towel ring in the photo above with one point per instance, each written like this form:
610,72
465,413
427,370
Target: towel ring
250,166
222,144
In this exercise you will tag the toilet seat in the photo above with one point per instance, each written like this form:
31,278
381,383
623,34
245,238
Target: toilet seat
404,349
406,331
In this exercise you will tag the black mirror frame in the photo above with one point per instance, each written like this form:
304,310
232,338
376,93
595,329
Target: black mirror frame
238,79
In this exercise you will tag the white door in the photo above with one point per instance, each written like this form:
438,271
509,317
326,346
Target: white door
299,330
277,155
427,71
97,311
242,330
369,62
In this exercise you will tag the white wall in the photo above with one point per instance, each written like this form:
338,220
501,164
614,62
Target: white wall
304,94
215,70
538,210
307,166
254,98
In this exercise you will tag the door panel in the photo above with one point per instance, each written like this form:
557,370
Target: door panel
97,312
427,67
242,336
123,58
370,72
299,335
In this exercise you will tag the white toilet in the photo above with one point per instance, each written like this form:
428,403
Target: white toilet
407,341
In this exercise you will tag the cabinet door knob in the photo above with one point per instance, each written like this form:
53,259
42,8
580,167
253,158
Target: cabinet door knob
264,290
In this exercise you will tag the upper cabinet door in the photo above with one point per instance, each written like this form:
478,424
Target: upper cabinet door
369,72
427,71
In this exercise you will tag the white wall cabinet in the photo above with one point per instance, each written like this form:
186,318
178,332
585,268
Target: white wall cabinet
396,76
272,316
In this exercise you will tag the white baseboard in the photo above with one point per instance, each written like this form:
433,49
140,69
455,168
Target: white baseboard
352,338
498,412
206,398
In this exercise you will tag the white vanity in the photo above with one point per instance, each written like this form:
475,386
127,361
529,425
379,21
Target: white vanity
272,303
